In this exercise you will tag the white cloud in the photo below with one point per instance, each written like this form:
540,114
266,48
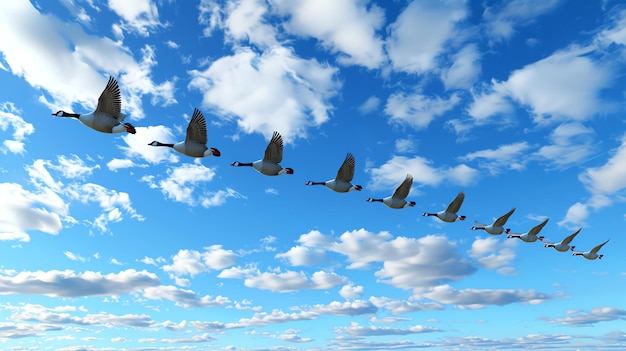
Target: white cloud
67,283
347,27
183,297
591,317
246,21
564,86
9,119
505,157
501,20
347,308
370,105
493,254
386,176
357,330
193,262
249,87
74,257
478,298
405,145
351,292
576,216
419,34
41,210
139,148
140,16
303,256
418,110
42,41
181,183
396,306
283,281
117,163
571,143
610,177
465,69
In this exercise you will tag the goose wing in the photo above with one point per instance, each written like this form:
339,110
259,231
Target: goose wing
536,229
274,150
402,191
455,205
597,248
110,101
571,237
502,220
196,130
346,171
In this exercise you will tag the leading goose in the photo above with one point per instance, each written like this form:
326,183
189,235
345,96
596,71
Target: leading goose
195,140
497,227
450,213
341,183
530,236
564,244
591,254
107,117
269,164
398,199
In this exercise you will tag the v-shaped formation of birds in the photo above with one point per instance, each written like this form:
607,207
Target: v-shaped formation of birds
108,118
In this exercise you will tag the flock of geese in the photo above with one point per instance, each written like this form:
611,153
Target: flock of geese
108,118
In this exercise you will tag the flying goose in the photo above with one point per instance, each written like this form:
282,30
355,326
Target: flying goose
107,117
196,139
450,213
341,183
530,236
497,227
564,244
269,164
591,254
397,200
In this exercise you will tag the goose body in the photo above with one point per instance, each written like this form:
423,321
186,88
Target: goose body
107,118
342,182
530,236
591,254
195,140
450,213
398,199
269,164
564,244
497,227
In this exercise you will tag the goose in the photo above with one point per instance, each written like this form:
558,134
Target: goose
195,140
450,213
341,183
591,254
564,244
497,227
397,200
269,164
107,117
530,236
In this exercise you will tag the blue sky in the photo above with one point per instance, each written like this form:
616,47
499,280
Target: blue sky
108,243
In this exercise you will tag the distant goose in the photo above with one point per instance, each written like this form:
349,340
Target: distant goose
195,140
450,213
531,235
564,244
497,227
341,183
397,200
107,117
269,164
591,254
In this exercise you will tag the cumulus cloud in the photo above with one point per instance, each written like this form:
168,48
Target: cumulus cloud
283,281
424,172
363,331
249,87
505,157
193,262
502,19
419,34
9,118
472,298
348,28
77,58
139,16
493,254
67,283
183,297
591,317
418,110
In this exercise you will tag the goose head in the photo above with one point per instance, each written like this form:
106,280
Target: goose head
286,171
60,113
235,164
540,238
155,143
461,218
507,230
215,152
357,187
411,204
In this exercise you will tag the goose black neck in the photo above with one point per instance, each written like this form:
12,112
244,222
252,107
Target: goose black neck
247,164
431,214
376,200
68,114
164,144
318,183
